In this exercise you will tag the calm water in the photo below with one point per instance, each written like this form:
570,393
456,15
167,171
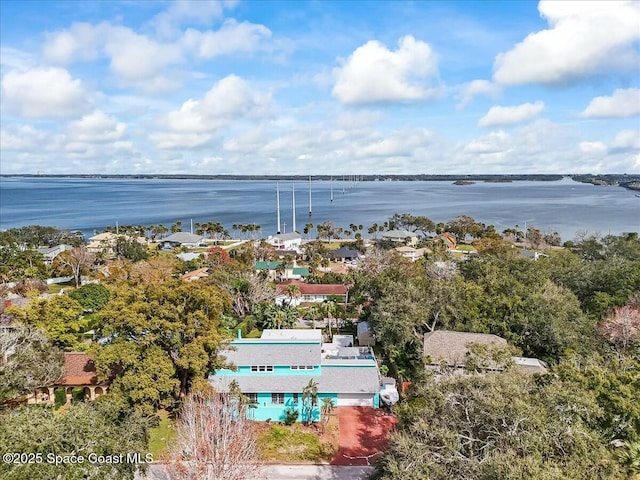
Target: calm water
92,204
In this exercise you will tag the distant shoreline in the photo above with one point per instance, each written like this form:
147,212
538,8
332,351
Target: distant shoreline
628,181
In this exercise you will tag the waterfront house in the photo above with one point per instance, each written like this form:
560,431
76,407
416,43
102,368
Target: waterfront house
181,239
286,241
274,369
106,242
400,236
311,293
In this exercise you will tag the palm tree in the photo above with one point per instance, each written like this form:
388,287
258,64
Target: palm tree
292,291
309,401
325,410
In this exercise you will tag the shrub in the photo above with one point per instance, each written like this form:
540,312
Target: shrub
60,396
290,416
91,296
77,395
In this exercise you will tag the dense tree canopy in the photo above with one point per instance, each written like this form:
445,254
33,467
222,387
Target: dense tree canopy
105,428
160,340
507,426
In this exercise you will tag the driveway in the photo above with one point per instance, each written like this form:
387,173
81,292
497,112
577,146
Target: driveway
363,434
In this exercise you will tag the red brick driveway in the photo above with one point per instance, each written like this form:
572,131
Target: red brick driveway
363,434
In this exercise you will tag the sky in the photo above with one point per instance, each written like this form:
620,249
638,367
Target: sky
319,87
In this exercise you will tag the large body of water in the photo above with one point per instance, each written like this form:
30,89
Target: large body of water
90,205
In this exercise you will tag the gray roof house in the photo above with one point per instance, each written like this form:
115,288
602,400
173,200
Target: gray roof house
181,239
273,371
451,349
400,236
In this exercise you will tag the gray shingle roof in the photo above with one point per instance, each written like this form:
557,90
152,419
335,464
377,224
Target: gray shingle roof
288,236
183,237
451,347
273,354
332,380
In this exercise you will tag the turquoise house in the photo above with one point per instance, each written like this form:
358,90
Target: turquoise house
273,371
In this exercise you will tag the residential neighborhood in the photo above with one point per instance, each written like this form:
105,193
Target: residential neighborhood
324,346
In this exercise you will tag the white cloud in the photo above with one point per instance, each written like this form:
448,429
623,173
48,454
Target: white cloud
170,140
510,115
139,60
44,92
592,148
374,74
623,103
584,38
167,23
230,99
232,37
493,143
22,137
96,127
468,91
626,140
80,42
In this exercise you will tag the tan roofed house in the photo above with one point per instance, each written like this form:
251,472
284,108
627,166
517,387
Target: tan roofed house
79,371
452,348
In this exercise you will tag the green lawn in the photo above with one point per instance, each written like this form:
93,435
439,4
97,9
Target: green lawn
297,443
160,437
466,248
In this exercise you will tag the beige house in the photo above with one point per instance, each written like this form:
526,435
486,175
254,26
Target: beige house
106,242
79,371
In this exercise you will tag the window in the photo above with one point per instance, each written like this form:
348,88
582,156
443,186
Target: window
301,367
252,397
262,368
277,398
295,398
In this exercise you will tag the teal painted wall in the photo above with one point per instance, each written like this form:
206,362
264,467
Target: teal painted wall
266,410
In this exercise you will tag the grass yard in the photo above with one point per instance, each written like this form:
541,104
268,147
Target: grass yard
160,437
298,443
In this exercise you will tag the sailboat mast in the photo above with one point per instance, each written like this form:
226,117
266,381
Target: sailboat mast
309,195
278,206
331,186
293,205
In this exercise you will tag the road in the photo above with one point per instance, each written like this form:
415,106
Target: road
157,471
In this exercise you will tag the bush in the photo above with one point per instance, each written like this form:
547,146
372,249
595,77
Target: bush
60,396
290,416
77,395
91,296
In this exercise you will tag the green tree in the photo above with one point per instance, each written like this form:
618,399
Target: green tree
91,296
161,340
60,318
130,248
507,426
105,427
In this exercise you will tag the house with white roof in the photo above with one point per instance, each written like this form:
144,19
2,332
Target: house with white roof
286,241
274,369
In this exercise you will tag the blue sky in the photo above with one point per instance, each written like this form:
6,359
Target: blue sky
319,87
